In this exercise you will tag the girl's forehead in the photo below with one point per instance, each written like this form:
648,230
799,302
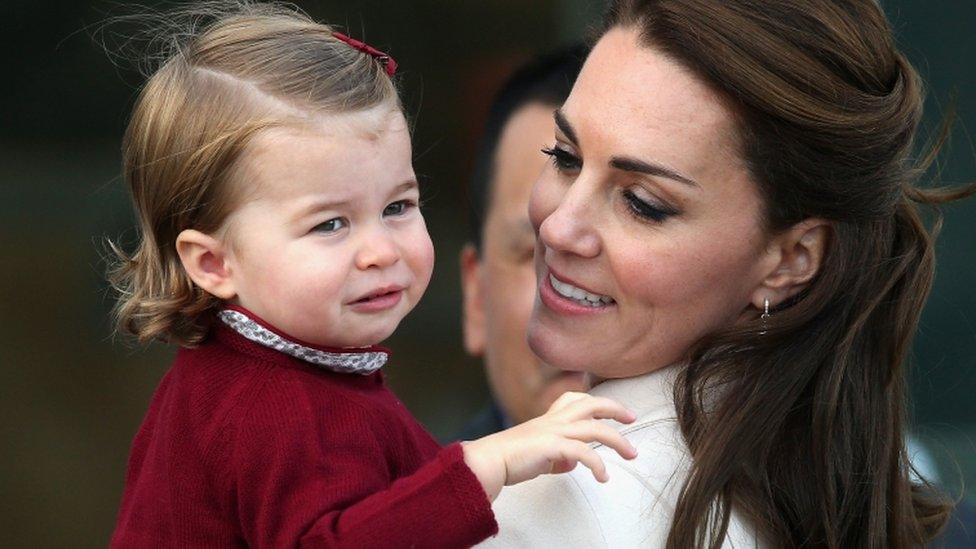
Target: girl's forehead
344,155
370,124
365,124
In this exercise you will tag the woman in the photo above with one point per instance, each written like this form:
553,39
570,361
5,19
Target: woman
730,239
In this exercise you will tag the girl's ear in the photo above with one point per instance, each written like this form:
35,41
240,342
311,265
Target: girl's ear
205,261
796,256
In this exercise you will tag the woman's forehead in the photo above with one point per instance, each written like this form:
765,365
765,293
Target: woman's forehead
633,96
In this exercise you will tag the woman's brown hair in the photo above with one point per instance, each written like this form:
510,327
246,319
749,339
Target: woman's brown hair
230,69
801,427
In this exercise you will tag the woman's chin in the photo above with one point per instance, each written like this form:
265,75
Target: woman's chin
561,352
579,353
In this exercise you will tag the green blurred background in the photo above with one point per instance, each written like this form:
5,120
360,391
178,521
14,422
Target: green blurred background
71,397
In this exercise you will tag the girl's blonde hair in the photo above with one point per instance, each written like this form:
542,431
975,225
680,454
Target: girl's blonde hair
232,70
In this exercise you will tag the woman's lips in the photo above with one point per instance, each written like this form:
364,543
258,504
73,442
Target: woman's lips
380,300
564,305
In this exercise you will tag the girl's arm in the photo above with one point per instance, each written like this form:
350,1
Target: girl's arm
301,475
295,485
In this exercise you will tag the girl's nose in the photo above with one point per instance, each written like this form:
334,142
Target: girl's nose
568,228
377,250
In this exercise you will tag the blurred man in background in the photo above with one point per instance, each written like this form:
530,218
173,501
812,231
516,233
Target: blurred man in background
498,278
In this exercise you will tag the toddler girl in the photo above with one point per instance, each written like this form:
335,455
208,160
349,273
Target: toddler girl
281,240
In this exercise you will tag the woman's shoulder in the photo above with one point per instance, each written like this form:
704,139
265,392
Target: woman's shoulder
576,510
551,510
633,509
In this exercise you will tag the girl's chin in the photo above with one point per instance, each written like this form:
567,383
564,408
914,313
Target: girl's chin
349,338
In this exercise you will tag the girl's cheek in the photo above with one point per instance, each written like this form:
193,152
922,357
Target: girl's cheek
421,250
428,255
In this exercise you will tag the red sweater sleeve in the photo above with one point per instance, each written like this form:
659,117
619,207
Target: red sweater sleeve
314,477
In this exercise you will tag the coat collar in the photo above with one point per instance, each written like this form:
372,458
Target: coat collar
649,396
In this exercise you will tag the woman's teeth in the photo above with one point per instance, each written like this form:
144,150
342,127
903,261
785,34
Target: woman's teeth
578,295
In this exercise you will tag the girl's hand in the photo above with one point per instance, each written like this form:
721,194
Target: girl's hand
551,443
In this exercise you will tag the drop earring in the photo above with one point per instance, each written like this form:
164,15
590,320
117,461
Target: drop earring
764,318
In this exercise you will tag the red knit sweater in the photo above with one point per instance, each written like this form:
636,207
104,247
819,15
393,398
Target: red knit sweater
243,445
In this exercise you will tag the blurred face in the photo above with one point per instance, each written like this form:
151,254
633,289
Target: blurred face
329,245
648,225
500,282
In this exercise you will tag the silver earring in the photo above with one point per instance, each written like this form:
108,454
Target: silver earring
764,318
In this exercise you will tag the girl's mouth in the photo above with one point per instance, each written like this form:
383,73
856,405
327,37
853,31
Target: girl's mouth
379,300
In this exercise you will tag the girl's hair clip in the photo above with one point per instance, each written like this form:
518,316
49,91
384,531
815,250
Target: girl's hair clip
388,62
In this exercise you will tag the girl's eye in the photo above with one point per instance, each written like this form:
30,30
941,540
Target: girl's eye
331,225
397,208
564,160
646,210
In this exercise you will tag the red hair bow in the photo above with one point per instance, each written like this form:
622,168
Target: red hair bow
384,58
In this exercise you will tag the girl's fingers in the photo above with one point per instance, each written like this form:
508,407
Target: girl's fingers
595,431
562,466
599,408
574,450
565,400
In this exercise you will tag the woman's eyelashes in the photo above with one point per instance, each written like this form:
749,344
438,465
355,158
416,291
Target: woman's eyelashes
645,210
564,160
567,162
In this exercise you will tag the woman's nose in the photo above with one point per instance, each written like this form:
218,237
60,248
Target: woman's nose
568,228
377,249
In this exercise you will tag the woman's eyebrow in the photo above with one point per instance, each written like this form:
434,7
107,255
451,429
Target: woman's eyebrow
649,168
565,127
624,163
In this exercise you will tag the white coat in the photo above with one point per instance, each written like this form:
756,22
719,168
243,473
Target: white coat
633,509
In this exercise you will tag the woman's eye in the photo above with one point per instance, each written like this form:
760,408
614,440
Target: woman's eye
564,160
397,208
331,225
647,210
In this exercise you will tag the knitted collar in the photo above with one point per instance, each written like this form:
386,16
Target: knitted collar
361,360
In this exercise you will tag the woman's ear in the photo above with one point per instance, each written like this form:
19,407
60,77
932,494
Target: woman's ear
797,255
205,261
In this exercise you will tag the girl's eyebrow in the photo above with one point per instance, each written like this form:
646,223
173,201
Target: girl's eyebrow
406,186
326,204
321,205
624,163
